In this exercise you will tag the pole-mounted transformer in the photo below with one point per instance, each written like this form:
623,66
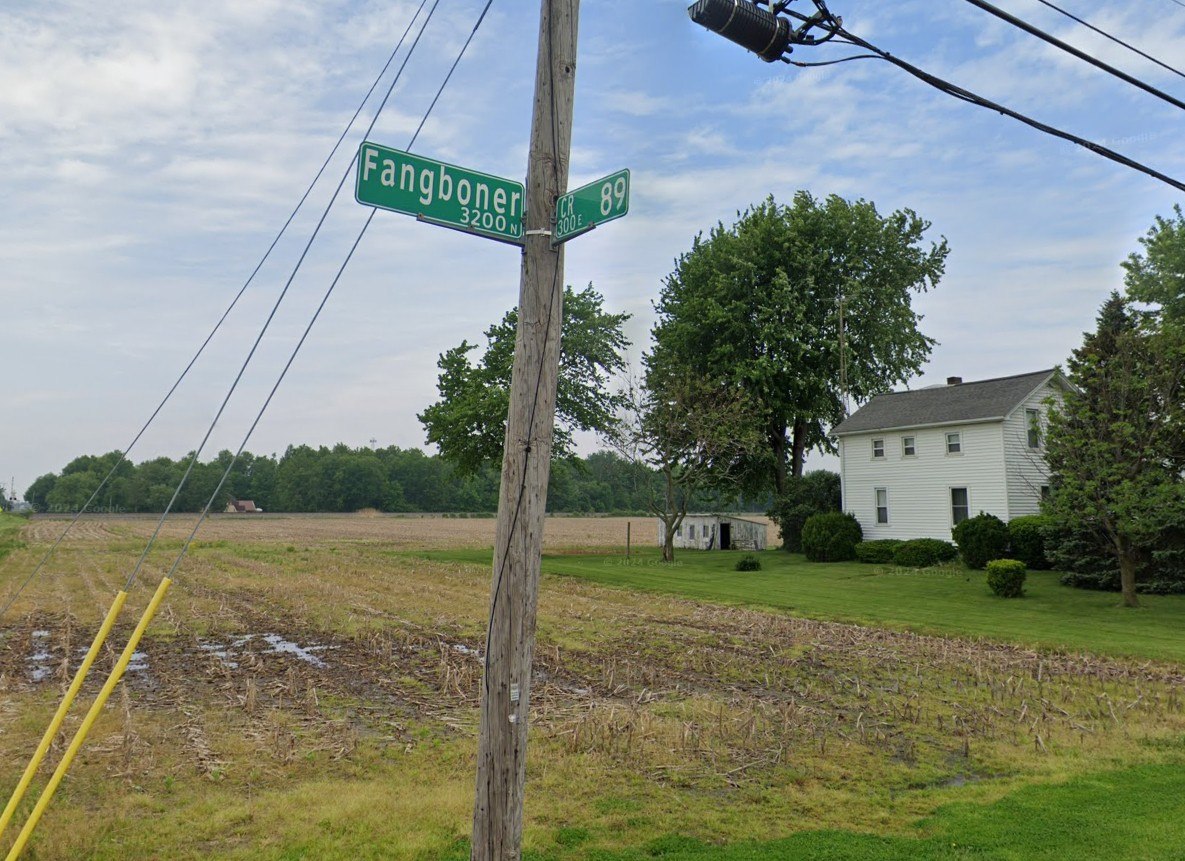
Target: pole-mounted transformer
765,34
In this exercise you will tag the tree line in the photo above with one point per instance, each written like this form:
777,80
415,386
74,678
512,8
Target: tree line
337,479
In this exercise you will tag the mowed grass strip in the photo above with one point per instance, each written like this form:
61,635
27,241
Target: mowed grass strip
1128,815
949,600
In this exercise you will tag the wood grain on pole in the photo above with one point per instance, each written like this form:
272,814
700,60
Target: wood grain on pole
502,753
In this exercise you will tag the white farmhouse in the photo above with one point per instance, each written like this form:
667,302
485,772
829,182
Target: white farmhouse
913,464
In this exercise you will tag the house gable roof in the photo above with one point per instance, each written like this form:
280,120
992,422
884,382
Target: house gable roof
984,400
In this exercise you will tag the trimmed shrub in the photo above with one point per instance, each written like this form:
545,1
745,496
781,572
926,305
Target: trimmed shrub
831,537
877,552
814,493
923,552
748,562
1006,577
1026,540
981,539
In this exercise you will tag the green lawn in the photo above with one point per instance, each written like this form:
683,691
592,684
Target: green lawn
1129,815
1135,813
947,600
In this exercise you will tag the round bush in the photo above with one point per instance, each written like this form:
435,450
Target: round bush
748,562
831,537
923,552
981,539
877,552
1006,577
1026,540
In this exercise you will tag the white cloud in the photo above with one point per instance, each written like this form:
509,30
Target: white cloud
149,152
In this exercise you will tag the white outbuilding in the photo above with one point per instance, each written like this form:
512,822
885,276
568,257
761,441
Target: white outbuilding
717,532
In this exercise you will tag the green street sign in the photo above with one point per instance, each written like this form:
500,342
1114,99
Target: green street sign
440,193
581,210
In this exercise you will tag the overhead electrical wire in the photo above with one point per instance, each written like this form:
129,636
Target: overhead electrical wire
835,27
1081,55
333,284
1114,39
279,301
975,99
218,325
804,65
121,664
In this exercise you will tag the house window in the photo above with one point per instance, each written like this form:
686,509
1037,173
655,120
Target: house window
882,506
954,443
878,448
1033,422
678,531
691,533
1045,492
960,505
908,448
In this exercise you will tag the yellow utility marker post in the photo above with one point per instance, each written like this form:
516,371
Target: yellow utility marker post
55,724
88,721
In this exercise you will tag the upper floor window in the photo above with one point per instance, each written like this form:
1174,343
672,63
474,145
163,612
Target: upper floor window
954,443
878,448
908,446
1033,423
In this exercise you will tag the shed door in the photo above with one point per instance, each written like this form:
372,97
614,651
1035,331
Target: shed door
725,536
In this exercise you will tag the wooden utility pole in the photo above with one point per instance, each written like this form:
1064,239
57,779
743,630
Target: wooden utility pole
526,463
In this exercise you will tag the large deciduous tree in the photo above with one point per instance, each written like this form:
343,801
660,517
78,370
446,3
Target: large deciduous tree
1157,276
692,432
468,423
1115,446
759,306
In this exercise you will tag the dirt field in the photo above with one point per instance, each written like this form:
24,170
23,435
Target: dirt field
427,532
309,664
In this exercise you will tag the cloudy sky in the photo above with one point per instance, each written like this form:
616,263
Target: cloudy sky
149,153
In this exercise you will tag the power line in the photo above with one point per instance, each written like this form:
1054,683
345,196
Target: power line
121,664
276,307
1113,38
218,325
975,99
1081,55
333,284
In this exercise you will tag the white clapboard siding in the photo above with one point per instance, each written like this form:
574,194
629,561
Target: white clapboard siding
1026,468
919,486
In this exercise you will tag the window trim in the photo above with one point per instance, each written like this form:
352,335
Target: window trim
913,444
958,435
878,453
1033,428
876,499
966,505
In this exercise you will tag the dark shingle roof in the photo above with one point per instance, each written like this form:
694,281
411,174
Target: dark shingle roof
965,402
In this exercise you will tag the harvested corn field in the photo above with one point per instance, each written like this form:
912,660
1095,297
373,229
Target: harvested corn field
312,691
